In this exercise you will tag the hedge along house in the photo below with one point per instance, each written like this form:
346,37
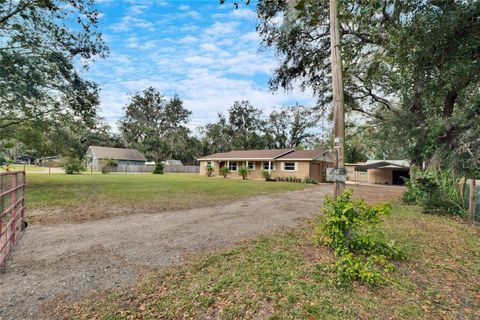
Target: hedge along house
279,162
122,156
390,172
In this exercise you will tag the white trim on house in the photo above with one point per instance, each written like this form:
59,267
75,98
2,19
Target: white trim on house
236,166
265,163
295,166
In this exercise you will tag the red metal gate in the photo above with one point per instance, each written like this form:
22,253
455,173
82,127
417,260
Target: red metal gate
12,212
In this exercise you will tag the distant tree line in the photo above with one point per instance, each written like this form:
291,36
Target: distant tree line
159,128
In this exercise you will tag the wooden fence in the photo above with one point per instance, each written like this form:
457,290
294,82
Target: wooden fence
470,192
174,168
123,168
358,176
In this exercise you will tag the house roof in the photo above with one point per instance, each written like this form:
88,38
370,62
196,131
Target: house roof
272,154
248,155
386,164
117,153
303,155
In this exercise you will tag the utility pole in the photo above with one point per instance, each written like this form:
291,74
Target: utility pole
339,174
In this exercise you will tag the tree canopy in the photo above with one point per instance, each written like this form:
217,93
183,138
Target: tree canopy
411,68
155,125
42,42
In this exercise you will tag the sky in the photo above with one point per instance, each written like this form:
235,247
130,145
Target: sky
209,54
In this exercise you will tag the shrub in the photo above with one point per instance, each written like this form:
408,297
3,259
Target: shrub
224,171
435,191
158,168
243,172
73,166
267,175
288,179
347,228
209,169
107,165
309,180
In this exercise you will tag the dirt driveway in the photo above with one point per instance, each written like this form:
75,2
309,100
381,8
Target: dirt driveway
72,260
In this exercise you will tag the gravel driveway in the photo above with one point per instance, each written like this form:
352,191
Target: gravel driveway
72,260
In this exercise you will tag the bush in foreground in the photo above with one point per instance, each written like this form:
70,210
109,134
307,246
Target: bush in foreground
73,166
363,253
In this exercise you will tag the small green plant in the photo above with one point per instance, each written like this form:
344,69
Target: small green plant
209,169
107,165
224,171
73,166
243,172
309,180
159,166
289,179
267,175
347,228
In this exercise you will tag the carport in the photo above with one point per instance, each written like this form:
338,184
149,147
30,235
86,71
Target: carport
391,172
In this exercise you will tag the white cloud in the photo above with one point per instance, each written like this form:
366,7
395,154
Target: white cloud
209,66
128,23
187,39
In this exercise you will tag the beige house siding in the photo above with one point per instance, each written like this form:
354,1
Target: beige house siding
314,169
380,176
203,168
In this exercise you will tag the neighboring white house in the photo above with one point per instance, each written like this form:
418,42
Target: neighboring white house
122,156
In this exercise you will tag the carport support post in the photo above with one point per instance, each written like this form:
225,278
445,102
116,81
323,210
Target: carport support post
338,98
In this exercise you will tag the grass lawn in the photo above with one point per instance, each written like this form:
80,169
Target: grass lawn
27,168
61,198
275,277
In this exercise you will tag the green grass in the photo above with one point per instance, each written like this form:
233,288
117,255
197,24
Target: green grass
27,168
276,277
73,198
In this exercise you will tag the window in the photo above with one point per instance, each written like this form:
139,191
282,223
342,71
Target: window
265,166
232,166
289,166
208,163
251,165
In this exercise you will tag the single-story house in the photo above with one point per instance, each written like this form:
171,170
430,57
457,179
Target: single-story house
391,172
122,156
279,162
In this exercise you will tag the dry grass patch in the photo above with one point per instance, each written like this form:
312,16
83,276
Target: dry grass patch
276,277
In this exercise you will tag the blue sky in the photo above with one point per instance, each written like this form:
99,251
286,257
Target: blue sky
208,54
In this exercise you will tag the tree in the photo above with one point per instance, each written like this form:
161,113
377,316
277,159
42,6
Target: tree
215,137
245,126
153,124
242,129
41,41
291,127
410,66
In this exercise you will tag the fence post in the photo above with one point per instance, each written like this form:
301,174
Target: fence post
13,225
462,183
471,202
